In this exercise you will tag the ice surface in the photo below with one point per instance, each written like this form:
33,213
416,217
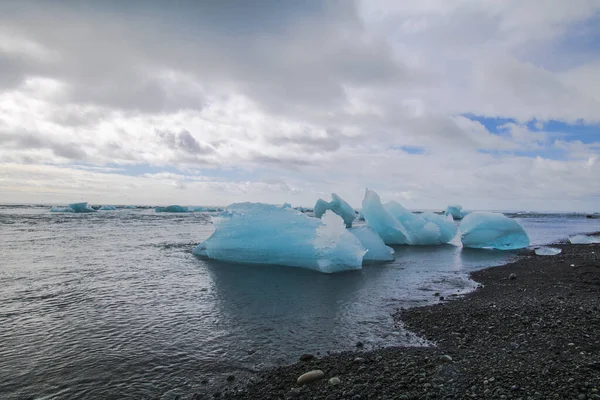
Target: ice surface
370,240
338,206
74,208
584,239
259,233
107,208
397,225
172,209
387,227
492,230
455,211
547,251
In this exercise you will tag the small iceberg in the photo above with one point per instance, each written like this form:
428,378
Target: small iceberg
455,210
107,208
338,206
547,251
257,233
492,230
204,209
74,208
584,239
130,207
172,209
397,225
370,240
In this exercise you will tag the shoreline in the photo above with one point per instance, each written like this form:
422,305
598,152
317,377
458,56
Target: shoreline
531,335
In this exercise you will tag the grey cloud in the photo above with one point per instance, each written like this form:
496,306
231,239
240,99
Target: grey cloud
28,140
184,141
308,142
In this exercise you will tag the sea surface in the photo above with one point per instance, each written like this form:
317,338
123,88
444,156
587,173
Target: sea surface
114,305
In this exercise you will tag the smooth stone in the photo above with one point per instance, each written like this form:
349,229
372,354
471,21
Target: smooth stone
334,381
230,378
446,358
310,376
306,357
512,277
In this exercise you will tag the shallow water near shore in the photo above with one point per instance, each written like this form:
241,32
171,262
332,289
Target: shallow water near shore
114,305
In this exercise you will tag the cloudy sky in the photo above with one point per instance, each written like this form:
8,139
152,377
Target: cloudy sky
493,104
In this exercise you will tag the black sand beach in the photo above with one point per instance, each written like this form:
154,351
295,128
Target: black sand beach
531,331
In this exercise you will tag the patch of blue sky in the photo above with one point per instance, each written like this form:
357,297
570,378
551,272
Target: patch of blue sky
409,149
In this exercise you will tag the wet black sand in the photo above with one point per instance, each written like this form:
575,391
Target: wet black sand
534,334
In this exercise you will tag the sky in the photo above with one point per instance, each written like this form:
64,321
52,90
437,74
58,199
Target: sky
491,104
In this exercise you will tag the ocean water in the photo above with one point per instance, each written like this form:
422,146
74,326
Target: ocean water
114,305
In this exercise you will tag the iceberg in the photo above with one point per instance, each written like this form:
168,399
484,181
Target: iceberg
107,208
338,206
397,225
286,205
492,230
455,211
547,251
584,239
172,209
130,207
370,240
204,209
74,208
258,233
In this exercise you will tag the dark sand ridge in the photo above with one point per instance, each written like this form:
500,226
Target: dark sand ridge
534,334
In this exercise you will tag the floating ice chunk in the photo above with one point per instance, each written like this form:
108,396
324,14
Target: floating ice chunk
286,205
74,208
370,240
456,211
387,227
584,239
204,209
130,207
172,209
259,233
107,208
547,251
492,230
61,210
423,229
338,206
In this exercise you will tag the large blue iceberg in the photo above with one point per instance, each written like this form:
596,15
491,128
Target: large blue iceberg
74,208
492,230
338,206
397,225
456,211
259,233
107,208
370,240
172,209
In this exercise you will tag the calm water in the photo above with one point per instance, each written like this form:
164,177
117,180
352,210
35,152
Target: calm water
114,305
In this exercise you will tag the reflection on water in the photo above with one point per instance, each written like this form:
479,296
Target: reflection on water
114,305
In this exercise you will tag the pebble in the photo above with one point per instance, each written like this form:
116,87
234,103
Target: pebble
310,376
512,277
334,381
360,344
446,358
306,357
359,360
230,378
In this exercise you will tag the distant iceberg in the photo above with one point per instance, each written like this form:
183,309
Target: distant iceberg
107,208
584,239
397,225
204,209
74,208
172,209
455,211
338,206
370,240
259,233
130,207
492,230
547,251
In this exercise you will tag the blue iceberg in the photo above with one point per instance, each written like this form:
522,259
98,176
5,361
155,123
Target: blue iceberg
370,240
74,208
492,230
172,209
130,207
204,209
257,233
455,211
107,208
397,225
338,206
